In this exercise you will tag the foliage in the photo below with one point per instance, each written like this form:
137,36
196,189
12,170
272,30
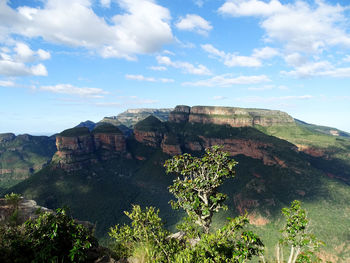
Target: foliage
13,200
295,233
146,231
197,188
228,244
49,238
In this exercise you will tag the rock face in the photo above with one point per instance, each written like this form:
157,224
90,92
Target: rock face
7,137
235,117
78,146
132,116
26,209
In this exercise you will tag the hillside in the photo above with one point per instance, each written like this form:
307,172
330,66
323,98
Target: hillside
22,156
271,173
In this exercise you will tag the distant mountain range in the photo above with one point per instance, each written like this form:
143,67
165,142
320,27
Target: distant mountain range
100,169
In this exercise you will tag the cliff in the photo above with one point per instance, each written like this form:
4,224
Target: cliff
235,117
78,147
176,138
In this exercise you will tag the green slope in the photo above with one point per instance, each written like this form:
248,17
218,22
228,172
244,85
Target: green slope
22,155
100,193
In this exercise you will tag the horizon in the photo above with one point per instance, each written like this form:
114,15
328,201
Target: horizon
64,62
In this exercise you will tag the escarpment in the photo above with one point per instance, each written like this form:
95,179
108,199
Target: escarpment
78,147
235,117
175,137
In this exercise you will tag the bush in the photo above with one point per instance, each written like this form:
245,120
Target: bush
49,238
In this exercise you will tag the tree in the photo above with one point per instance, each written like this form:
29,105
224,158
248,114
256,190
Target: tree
146,233
13,200
296,234
196,187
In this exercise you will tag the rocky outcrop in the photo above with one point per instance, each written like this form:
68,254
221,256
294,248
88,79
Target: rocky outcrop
7,137
170,145
26,209
315,152
250,148
235,117
149,138
78,147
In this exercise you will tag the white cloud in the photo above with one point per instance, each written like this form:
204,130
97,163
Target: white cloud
18,61
199,3
158,68
251,8
12,68
265,53
185,66
148,79
234,60
299,26
105,3
195,23
347,58
73,90
219,98
319,68
143,27
140,78
6,83
268,87
227,80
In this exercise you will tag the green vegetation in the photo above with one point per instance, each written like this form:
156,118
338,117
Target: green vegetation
52,237
23,155
102,191
106,128
77,131
151,124
197,195
303,244
197,189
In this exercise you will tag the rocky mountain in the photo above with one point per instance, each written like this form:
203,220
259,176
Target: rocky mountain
130,117
78,147
235,117
23,155
100,173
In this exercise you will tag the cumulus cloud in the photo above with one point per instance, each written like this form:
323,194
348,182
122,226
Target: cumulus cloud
185,66
234,60
195,23
18,61
227,80
105,3
142,27
319,68
300,26
73,90
148,79
6,83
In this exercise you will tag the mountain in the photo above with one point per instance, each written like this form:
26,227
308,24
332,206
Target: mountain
100,173
22,156
130,117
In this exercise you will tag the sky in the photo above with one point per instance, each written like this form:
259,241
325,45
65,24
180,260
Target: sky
67,61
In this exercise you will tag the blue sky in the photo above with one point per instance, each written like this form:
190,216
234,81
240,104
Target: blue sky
67,61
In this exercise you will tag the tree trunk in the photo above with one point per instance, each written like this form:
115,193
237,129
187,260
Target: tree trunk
291,256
